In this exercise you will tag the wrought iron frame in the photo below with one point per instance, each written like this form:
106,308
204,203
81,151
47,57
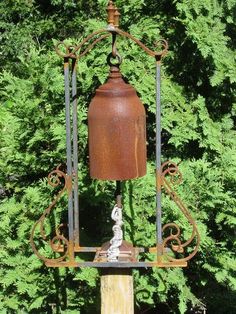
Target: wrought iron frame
165,248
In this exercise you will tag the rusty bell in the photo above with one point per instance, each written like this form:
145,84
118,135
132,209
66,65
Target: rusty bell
117,131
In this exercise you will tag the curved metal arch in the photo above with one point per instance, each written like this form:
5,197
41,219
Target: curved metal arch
156,54
71,50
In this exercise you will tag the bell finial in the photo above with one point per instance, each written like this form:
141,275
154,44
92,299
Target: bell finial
110,12
116,17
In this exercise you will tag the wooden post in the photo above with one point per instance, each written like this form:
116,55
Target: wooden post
117,295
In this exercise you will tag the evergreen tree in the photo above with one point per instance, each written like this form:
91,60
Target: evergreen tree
198,107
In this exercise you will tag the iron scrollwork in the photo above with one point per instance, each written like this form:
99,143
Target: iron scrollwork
167,175
74,51
59,243
173,241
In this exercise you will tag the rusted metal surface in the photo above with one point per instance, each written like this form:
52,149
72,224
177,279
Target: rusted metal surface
116,17
55,178
117,131
162,44
74,52
111,13
118,264
117,152
173,241
129,255
93,44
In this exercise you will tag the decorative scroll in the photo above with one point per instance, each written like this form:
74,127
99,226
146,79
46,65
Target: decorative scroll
74,51
160,44
173,240
168,176
58,243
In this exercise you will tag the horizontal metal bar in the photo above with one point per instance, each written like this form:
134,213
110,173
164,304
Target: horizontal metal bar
114,264
86,249
78,248
117,264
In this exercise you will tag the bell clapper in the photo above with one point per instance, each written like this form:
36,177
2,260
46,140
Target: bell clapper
114,249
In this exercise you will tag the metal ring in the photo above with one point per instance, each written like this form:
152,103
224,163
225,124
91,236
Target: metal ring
118,57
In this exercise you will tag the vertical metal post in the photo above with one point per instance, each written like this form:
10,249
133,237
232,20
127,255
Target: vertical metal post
75,154
68,147
158,156
118,194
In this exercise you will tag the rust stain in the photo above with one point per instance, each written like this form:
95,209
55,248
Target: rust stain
117,131
111,9
158,180
117,148
116,17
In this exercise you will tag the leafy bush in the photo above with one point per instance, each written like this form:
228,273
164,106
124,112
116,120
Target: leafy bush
198,106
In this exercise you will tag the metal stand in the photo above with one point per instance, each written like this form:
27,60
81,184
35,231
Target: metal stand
167,174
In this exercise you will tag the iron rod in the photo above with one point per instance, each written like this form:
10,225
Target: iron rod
118,194
158,154
75,153
68,146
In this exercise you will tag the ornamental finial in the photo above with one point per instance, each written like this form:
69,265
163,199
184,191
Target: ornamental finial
116,17
110,12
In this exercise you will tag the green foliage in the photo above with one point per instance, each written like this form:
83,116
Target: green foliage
198,107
